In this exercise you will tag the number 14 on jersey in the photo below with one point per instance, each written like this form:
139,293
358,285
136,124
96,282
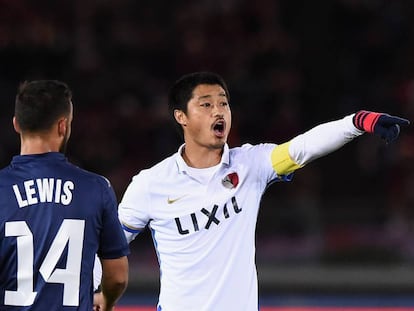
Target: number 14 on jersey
70,233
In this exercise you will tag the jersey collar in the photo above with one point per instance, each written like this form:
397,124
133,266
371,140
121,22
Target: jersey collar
47,156
182,166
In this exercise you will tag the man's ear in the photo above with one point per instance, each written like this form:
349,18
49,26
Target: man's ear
62,126
16,125
180,117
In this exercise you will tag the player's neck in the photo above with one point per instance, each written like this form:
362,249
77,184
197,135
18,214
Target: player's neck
37,144
201,157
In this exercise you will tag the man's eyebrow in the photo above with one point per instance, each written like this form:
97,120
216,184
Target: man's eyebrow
223,94
204,96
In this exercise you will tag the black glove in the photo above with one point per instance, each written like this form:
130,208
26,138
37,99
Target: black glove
382,124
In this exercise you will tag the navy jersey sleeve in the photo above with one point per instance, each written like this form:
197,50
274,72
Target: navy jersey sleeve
113,243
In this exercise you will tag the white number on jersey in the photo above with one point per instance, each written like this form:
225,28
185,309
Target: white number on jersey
70,233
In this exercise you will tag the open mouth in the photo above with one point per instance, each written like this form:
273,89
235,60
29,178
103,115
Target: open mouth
219,128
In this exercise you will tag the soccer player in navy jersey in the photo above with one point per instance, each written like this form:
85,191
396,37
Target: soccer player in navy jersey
54,216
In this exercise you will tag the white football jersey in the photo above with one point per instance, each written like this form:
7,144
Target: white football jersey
203,221
203,225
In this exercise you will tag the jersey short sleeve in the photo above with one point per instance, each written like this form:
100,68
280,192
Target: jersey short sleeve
113,242
261,158
133,208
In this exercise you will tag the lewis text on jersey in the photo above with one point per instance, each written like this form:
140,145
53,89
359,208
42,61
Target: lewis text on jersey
43,190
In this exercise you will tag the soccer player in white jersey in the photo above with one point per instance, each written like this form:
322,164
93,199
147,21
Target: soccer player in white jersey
201,203
54,216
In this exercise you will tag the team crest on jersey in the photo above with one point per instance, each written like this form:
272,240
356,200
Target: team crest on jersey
231,181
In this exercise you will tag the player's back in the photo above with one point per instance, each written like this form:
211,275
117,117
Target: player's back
51,216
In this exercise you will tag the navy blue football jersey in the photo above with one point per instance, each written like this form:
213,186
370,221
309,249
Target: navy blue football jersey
54,218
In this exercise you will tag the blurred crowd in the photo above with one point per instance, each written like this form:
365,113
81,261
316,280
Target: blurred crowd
289,65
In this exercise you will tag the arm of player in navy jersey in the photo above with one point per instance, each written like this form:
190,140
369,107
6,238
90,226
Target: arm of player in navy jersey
98,300
114,282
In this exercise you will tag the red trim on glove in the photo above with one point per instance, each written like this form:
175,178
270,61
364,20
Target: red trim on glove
366,120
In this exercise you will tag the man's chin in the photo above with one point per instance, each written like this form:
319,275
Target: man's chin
219,144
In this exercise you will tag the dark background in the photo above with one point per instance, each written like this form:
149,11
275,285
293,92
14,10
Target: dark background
345,222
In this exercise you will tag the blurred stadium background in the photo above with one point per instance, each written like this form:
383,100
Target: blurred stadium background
344,227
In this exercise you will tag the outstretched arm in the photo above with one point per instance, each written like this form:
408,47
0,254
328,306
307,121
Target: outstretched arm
328,137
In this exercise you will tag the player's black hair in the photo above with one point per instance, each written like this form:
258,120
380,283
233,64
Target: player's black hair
182,91
40,103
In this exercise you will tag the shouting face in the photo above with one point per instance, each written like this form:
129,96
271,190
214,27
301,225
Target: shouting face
207,122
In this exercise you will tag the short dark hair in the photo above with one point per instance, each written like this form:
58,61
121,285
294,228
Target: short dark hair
40,103
182,91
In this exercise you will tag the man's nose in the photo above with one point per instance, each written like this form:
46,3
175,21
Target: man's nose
218,110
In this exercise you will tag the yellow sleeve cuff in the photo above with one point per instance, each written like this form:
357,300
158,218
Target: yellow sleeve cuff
281,160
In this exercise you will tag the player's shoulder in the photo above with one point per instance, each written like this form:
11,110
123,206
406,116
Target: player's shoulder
160,169
5,174
251,149
87,176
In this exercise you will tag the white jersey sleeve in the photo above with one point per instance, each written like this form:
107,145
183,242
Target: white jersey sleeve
322,140
133,209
